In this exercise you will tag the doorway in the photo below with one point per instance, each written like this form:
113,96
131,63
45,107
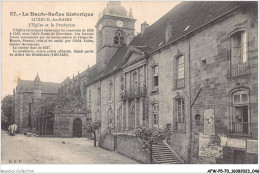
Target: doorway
77,128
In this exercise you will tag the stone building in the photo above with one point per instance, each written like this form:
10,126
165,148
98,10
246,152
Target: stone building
193,71
26,99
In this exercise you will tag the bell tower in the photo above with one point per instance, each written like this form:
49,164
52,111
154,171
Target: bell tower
37,90
114,27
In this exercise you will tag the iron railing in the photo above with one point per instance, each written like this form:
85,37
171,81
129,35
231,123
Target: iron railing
133,93
240,69
241,128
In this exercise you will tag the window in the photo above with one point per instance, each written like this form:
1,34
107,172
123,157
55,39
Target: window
241,120
135,81
119,37
155,72
135,77
89,95
110,117
110,91
98,96
180,71
132,120
180,110
239,57
155,115
118,118
239,47
30,115
122,82
84,91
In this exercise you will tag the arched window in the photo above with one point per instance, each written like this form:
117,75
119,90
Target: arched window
241,115
119,37
180,71
239,54
155,76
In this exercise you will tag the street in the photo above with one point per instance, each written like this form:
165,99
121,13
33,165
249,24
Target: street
47,150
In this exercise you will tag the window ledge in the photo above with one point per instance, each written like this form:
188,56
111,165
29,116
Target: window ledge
154,89
179,131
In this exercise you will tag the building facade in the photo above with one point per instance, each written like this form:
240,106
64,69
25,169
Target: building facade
193,71
28,97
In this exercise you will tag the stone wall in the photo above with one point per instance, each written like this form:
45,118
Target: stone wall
108,142
127,145
131,147
207,61
210,71
63,125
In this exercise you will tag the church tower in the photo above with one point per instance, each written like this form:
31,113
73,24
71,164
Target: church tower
114,28
37,91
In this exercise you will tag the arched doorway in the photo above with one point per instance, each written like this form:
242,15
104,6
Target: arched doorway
77,128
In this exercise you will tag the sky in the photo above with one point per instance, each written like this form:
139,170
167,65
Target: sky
56,69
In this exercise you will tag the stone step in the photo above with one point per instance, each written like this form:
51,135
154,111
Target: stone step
171,163
162,150
168,161
166,156
159,146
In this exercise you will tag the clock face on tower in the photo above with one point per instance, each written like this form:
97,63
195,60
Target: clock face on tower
119,23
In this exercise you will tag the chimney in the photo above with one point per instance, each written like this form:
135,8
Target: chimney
143,27
168,32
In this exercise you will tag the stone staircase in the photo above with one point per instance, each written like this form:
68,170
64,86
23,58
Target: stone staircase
164,155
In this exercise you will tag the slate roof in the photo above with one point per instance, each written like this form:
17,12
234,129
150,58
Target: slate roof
47,87
193,14
114,64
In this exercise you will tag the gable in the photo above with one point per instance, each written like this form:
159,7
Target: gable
134,56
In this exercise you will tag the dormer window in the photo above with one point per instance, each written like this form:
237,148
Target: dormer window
119,37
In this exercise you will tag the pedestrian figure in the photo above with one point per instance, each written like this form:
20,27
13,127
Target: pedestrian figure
12,129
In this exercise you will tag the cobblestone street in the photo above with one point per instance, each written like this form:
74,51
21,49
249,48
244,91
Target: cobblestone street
46,150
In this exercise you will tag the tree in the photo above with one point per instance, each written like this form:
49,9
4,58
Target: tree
91,128
151,136
6,111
